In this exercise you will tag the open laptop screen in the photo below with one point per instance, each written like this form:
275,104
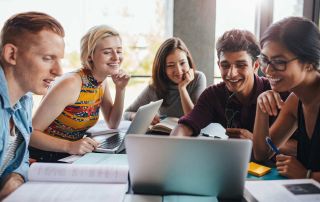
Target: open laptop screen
139,125
195,166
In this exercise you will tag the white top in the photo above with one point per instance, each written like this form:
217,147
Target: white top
15,140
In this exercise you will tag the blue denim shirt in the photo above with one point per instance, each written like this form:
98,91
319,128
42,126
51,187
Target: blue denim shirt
21,113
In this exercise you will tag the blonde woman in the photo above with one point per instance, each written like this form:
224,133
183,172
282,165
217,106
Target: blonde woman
72,105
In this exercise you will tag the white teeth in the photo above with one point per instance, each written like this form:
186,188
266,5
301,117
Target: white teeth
113,64
274,80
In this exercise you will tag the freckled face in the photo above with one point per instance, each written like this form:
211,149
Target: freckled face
39,61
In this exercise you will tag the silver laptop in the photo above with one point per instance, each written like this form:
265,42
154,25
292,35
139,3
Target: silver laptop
165,165
139,125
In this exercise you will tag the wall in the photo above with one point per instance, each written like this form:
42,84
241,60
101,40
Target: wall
194,23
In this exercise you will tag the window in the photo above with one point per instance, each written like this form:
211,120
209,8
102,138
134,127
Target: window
285,8
233,15
143,29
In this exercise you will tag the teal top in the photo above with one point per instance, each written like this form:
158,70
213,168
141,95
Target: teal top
21,114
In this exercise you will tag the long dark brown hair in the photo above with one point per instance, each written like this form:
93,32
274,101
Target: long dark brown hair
160,80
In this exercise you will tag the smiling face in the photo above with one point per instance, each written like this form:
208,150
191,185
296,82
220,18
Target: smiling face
237,71
38,61
107,56
177,65
293,74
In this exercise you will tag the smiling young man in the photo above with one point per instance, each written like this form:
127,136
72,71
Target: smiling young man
231,103
31,48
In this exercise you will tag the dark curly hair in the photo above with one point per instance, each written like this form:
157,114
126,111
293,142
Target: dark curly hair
238,40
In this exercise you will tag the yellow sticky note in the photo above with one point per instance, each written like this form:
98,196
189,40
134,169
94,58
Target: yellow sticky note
257,169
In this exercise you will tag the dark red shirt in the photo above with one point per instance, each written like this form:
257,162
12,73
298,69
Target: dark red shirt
213,103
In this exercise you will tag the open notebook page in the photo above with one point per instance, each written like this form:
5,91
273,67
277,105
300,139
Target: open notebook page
61,172
68,191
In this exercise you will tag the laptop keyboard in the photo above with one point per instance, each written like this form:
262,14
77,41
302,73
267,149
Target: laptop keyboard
112,142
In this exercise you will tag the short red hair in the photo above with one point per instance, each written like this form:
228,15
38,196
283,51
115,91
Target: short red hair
28,23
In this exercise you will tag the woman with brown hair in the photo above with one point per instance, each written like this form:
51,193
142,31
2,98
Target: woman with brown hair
174,79
290,59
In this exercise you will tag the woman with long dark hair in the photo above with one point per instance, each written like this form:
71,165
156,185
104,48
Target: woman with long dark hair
174,79
290,59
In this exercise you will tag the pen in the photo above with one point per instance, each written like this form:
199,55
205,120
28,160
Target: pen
207,135
272,146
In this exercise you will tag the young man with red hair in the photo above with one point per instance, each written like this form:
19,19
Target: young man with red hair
31,48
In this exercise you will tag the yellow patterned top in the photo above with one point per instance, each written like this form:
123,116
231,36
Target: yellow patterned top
75,119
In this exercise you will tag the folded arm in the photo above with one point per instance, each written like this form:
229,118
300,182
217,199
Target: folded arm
181,130
269,104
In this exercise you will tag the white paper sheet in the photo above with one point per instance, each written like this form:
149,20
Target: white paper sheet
61,172
70,192
275,190
215,130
